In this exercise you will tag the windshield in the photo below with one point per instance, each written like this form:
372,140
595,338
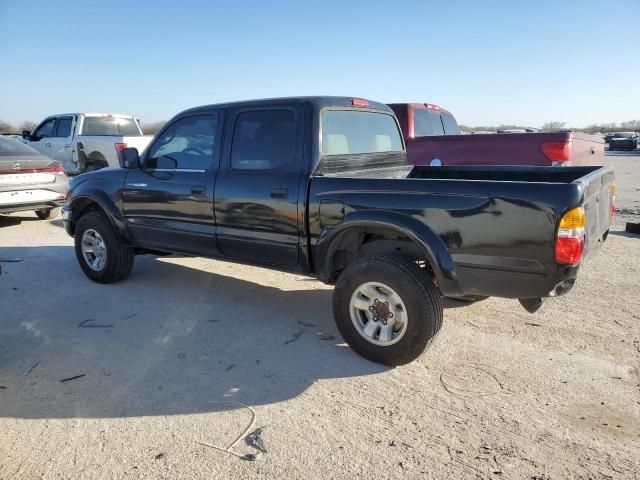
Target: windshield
346,132
623,135
101,126
13,147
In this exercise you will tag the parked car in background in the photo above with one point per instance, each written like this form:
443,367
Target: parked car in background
624,141
433,138
29,180
321,185
84,142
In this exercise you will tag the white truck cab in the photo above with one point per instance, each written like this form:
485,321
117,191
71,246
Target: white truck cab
86,141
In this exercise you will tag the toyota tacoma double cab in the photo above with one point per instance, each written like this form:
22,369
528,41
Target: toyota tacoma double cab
321,186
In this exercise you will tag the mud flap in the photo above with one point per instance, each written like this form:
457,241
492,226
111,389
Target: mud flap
531,305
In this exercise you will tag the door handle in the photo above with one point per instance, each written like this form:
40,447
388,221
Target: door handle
279,193
198,189
47,144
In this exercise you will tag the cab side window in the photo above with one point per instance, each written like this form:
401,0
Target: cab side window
63,129
263,139
187,144
450,124
45,130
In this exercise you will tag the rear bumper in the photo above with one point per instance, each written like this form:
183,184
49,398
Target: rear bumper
24,207
622,146
551,280
515,284
37,197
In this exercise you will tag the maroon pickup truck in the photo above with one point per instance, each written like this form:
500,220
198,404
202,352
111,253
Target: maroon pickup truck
433,137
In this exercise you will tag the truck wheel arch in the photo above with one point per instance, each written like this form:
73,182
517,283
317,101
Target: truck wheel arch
95,158
359,238
85,204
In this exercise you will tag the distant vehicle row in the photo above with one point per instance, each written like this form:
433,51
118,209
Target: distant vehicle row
83,142
623,140
89,141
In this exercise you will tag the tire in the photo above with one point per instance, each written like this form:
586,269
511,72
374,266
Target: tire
118,260
92,167
49,213
418,295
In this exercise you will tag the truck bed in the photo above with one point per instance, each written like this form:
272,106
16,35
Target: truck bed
497,224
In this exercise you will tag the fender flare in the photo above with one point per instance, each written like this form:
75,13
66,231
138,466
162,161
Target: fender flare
106,203
434,249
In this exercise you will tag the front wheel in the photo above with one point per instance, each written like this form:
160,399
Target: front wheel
102,255
387,309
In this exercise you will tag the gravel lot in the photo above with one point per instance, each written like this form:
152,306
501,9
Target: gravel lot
188,350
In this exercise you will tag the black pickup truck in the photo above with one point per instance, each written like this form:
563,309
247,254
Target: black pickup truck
321,186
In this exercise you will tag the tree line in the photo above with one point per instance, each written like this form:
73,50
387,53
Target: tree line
629,125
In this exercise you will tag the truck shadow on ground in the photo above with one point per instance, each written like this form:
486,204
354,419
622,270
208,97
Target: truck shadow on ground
171,339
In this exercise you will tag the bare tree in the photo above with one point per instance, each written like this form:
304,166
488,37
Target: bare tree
152,128
630,125
27,125
554,126
6,127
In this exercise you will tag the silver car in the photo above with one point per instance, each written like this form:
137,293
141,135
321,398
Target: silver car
29,180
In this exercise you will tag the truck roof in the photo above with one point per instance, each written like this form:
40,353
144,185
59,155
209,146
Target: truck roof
423,106
318,102
90,114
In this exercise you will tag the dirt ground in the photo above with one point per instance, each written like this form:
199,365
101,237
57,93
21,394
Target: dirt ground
187,351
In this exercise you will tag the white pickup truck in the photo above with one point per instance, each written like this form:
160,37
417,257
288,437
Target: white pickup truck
84,142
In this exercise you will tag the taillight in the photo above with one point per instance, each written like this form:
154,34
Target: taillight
57,169
120,147
612,205
557,151
570,237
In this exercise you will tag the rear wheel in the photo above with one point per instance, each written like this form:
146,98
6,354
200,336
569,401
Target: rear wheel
387,309
48,213
102,255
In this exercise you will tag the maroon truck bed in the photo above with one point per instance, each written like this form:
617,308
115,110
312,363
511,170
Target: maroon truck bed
544,149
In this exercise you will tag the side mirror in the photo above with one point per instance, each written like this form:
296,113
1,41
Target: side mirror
129,158
26,134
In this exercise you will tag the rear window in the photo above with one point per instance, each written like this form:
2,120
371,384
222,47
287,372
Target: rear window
101,126
347,132
11,147
623,135
427,123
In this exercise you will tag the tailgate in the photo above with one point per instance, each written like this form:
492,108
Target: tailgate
599,192
586,150
140,143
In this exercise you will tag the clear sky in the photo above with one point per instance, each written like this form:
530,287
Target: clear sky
489,62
